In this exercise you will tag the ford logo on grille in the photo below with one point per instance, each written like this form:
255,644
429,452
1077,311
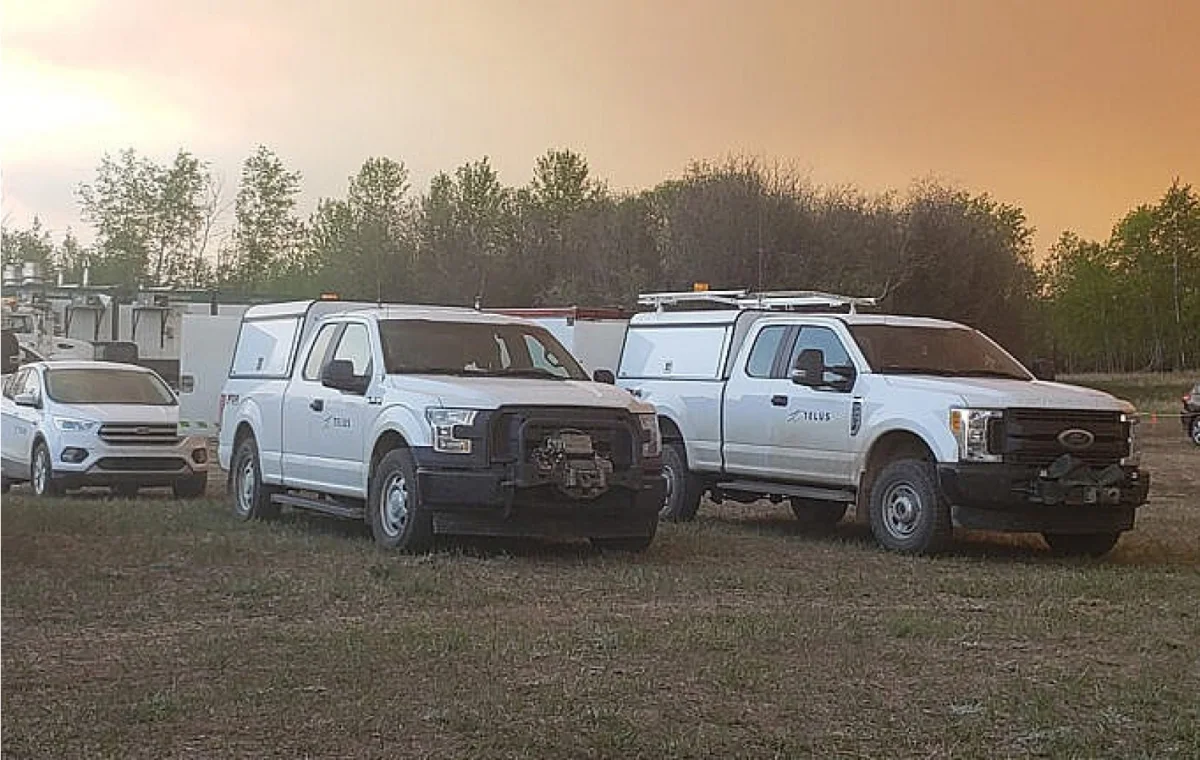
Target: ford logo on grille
1076,439
146,431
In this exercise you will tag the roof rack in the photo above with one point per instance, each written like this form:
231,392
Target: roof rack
781,300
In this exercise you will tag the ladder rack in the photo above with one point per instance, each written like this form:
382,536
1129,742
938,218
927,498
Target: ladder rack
782,300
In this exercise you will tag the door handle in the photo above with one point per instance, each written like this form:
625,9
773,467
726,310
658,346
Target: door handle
317,404
779,400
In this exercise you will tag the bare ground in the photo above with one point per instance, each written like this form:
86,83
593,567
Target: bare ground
157,628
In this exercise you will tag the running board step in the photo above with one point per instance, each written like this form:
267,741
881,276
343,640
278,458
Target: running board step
326,506
787,489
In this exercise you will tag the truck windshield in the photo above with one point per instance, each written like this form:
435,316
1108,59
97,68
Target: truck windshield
107,386
947,352
424,347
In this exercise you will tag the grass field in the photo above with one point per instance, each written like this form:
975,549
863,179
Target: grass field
156,628
1149,391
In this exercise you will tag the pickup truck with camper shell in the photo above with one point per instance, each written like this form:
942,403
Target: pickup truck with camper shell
920,424
423,420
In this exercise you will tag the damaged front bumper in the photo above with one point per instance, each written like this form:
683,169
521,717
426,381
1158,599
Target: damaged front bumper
1068,496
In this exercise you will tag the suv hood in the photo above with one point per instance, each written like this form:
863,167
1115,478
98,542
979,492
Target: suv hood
999,393
493,392
146,413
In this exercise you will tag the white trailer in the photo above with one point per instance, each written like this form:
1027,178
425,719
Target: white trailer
594,336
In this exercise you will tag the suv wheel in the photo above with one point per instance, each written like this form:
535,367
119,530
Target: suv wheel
1194,430
817,515
41,474
249,496
908,513
1081,544
398,521
683,492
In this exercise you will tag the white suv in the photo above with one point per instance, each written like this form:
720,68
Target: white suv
71,424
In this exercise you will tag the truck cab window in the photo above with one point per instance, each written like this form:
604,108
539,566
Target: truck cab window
766,346
828,343
316,357
355,346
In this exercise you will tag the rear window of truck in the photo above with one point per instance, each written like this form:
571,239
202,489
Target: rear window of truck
265,348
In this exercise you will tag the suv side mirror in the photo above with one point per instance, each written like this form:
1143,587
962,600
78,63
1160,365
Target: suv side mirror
339,375
605,376
810,368
27,399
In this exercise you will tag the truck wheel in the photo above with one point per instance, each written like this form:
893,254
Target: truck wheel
816,514
41,474
908,513
1081,544
190,488
394,509
684,489
249,496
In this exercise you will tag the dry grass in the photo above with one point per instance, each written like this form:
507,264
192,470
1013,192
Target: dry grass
1149,391
156,628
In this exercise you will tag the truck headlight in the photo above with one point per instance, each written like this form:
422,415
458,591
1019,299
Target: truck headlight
972,429
445,424
1134,457
651,436
71,425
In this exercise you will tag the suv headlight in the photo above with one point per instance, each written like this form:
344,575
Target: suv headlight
445,424
71,425
651,436
1134,457
971,428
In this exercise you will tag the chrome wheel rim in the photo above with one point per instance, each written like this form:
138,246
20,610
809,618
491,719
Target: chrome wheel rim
668,476
1196,431
41,464
393,505
901,510
246,486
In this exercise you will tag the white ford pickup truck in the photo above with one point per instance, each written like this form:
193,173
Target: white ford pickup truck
920,424
423,420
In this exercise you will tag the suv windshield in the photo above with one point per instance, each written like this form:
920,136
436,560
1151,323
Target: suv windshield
418,346
944,351
107,386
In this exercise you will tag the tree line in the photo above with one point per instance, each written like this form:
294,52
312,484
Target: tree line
1128,303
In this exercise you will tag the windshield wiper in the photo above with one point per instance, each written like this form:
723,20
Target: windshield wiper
990,373
892,370
428,371
530,372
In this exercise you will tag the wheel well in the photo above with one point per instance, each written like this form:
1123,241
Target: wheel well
897,444
670,431
389,441
243,431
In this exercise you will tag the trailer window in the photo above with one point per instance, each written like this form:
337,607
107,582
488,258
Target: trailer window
264,347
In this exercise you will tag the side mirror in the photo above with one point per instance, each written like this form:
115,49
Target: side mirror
339,375
605,376
1043,369
27,399
810,368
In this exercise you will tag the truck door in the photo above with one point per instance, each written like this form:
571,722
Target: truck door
303,403
748,408
339,430
809,429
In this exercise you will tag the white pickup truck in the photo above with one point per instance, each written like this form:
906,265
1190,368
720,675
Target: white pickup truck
423,420
921,424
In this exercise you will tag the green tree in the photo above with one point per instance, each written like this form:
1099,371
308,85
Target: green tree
267,234
32,245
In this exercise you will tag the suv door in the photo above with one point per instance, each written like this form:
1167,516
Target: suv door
810,432
14,430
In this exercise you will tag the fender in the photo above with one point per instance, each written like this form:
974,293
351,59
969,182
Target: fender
703,446
400,419
940,441
269,461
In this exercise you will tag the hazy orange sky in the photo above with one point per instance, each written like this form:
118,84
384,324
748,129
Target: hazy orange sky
1076,110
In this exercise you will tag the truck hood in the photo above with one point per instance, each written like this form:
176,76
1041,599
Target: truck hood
493,392
999,393
146,413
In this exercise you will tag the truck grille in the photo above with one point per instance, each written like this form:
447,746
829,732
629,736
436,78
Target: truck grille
139,434
1031,436
515,432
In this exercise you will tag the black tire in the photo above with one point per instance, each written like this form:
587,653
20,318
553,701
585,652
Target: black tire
190,488
818,515
41,472
907,511
249,497
1094,545
394,510
125,490
1194,430
684,489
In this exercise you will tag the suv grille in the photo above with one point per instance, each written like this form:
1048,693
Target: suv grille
141,464
139,434
1032,436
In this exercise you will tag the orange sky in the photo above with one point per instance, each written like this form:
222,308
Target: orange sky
1076,110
